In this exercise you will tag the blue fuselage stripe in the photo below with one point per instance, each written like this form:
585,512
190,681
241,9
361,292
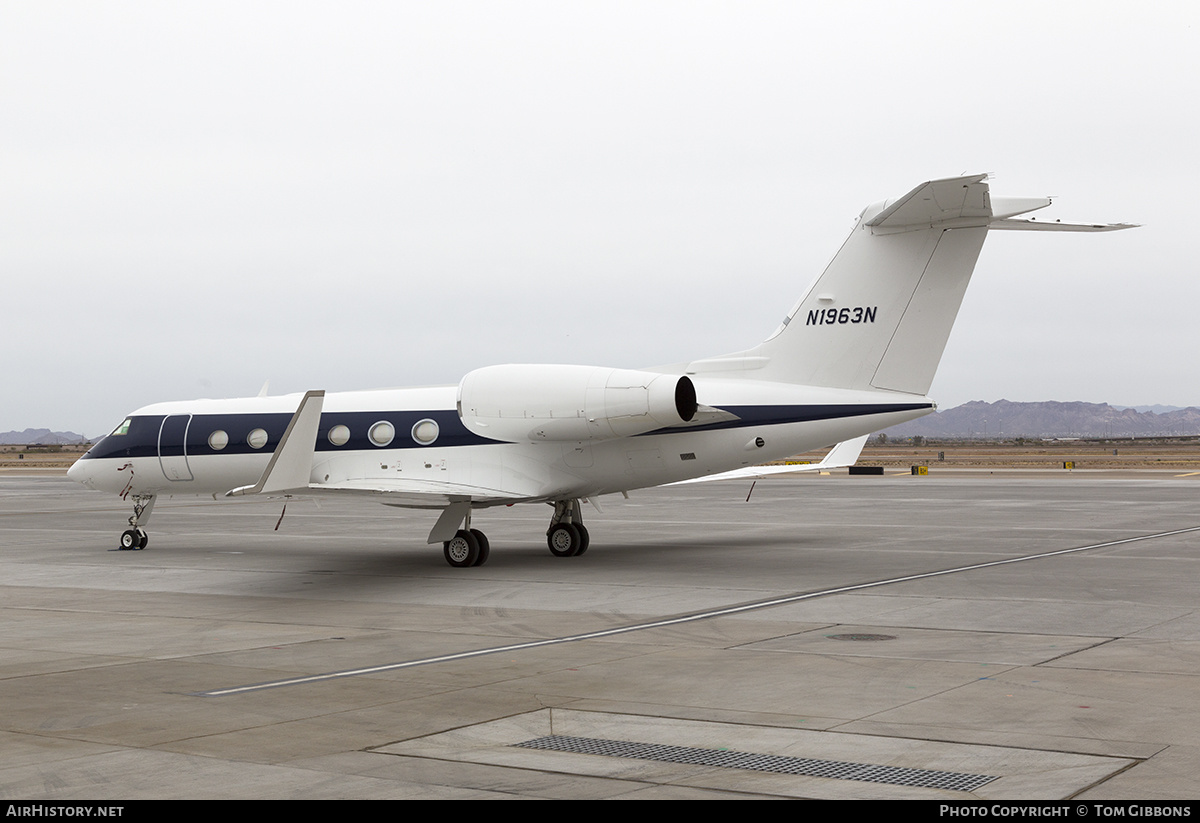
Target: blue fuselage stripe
143,436
142,439
783,414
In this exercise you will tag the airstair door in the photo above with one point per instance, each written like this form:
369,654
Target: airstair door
172,447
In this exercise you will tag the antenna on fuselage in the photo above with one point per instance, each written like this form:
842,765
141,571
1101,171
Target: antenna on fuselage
263,391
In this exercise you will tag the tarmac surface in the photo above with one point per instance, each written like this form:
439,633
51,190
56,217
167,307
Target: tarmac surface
339,657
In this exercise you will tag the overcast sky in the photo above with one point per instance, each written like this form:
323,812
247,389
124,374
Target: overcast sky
199,197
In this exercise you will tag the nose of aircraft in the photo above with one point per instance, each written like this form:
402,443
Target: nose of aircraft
81,472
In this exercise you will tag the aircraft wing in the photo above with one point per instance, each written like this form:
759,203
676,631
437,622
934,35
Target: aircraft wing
404,492
287,473
840,456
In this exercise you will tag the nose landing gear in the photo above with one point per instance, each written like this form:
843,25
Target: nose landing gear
135,538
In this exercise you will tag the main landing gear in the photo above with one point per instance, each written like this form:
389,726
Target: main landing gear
469,547
566,537
134,538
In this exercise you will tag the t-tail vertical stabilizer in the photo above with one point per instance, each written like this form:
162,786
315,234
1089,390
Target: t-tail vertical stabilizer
879,316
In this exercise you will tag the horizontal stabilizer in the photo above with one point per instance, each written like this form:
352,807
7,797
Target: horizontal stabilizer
937,202
1012,206
1057,225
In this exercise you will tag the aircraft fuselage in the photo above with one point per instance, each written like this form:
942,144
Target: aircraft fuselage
209,447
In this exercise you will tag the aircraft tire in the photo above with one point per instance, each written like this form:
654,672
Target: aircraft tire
143,539
585,539
130,540
564,540
484,548
462,550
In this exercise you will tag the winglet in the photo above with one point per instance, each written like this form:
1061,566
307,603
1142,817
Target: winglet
840,456
843,454
291,464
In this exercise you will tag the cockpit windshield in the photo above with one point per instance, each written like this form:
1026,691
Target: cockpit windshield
122,429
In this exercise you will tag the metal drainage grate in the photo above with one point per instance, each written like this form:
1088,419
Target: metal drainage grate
839,770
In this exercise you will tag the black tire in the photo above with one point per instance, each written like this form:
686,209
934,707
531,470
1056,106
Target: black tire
462,550
585,539
143,539
484,548
130,540
563,540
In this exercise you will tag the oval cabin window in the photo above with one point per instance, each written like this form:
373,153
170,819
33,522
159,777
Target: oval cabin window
425,431
382,433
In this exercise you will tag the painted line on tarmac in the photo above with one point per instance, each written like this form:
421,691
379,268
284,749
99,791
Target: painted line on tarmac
674,621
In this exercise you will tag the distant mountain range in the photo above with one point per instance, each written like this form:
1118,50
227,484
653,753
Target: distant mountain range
1157,409
1003,418
1051,419
39,437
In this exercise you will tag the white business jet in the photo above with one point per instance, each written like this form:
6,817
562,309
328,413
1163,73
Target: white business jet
856,354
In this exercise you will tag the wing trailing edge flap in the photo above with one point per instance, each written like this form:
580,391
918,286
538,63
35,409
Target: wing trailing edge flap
417,493
840,456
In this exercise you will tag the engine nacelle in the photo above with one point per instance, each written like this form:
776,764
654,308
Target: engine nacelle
519,403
